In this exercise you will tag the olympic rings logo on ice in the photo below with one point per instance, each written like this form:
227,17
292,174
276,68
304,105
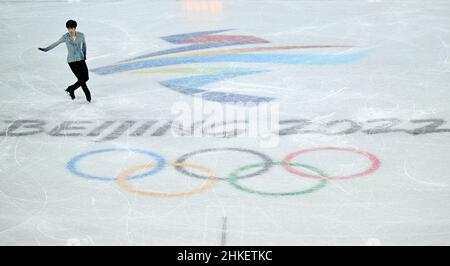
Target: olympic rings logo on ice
212,178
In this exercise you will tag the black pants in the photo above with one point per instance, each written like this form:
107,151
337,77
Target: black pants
79,68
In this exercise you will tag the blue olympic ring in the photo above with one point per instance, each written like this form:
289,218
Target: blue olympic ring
72,164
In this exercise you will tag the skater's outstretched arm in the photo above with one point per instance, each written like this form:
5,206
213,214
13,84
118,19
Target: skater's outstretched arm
53,45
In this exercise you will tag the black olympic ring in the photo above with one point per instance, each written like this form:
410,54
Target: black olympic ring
267,162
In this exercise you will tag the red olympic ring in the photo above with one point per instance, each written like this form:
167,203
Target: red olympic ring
373,159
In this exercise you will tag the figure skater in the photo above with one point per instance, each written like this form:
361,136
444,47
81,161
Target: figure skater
76,47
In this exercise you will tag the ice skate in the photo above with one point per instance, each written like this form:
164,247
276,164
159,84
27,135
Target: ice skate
71,93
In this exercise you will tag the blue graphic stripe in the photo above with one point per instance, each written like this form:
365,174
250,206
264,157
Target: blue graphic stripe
223,97
202,80
242,58
193,47
190,86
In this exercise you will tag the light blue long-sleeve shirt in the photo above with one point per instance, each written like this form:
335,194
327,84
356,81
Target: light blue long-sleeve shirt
76,49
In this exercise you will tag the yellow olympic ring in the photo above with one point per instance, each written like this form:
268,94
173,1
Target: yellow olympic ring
123,182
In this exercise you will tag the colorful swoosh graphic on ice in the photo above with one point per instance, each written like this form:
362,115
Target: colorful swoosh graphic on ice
193,53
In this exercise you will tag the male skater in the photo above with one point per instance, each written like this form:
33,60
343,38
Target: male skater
76,47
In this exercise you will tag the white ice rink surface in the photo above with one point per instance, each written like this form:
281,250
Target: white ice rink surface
370,115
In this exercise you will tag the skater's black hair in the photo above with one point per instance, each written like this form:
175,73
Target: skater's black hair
71,24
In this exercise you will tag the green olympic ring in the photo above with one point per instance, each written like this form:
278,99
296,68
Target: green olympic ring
233,180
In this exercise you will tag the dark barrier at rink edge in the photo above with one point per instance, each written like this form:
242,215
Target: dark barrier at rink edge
113,129
242,255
